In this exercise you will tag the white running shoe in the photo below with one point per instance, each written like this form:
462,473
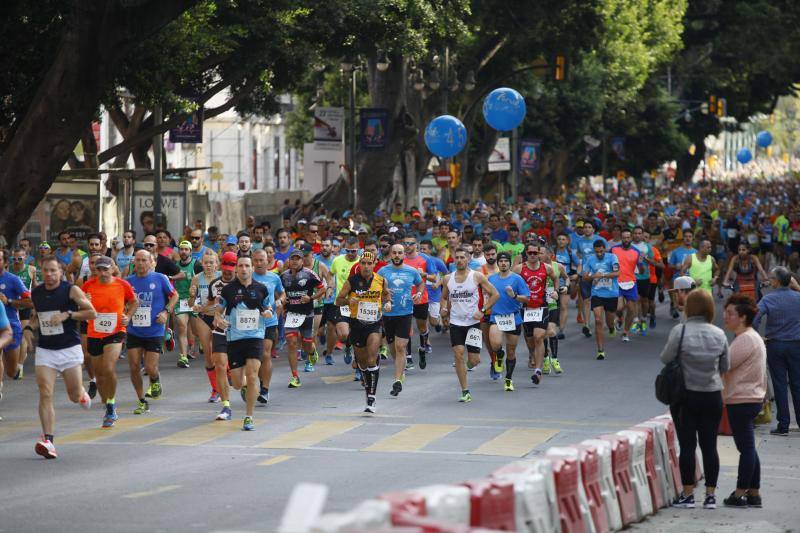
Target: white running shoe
45,448
85,401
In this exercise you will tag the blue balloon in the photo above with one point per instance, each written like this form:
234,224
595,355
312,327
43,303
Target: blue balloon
445,136
744,156
504,109
764,138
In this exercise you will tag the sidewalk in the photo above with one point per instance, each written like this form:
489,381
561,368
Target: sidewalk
780,490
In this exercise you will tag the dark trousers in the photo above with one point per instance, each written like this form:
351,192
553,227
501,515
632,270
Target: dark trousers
697,419
783,360
742,418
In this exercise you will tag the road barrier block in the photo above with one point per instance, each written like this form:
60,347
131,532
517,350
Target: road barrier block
586,507
656,495
590,477
566,472
674,450
606,482
368,515
492,503
448,503
535,502
405,503
644,501
427,524
621,463
661,459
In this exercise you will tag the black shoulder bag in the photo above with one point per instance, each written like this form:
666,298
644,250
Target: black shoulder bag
670,386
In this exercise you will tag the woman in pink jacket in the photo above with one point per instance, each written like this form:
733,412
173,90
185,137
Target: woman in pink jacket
744,392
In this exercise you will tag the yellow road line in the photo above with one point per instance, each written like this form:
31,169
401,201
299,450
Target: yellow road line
412,438
337,379
123,425
199,435
275,460
310,435
159,490
9,428
516,442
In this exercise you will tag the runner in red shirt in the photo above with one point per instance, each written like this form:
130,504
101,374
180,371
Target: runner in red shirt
414,260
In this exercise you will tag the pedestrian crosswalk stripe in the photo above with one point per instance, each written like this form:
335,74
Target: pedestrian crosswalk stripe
310,435
199,434
123,425
516,442
274,460
412,438
337,379
9,428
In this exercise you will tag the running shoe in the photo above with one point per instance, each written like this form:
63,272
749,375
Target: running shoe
579,319
301,355
710,502
92,389
423,362
428,348
243,393
494,374
45,448
612,332
546,365
660,295
294,383
498,361
313,357
20,374
684,502
149,392
155,390
193,353
586,331
397,388
740,502
348,354
618,325
225,414
675,313
560,335
263,395
438,328
309,367
370,408
652,322
536,378
357,376
466,397
754,500
85,401
142,408
508,385
556,366
409,363
601,355
169,340
247,424
625,338
384,352
274,353
635,328
183,361
329,360
214,398
111,416
643,329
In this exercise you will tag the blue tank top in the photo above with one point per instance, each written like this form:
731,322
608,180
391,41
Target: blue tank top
58,300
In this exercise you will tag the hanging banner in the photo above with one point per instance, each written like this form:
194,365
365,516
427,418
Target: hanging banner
190,130
530,153
618,147
500,158
328,128
374,129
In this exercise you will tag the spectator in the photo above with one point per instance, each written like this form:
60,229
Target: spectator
703,350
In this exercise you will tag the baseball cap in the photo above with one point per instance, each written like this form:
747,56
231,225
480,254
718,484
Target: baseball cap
579,224
296,253
44,245
185,244
307,249
599,243
232,240
683,283
229,261
301,221
393,229
103,262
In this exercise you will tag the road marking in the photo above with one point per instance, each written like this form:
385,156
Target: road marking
274,460
9,428
199,435
516,442
337,379
412,438
121,426
310,435
728,454
159,490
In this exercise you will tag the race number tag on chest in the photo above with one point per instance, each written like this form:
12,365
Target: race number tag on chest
344,310
505,322
474,338
105,322
46,324
183,306
534,315
367,311
142,317
294,320
247,319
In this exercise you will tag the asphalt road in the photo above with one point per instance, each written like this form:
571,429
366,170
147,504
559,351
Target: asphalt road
177,469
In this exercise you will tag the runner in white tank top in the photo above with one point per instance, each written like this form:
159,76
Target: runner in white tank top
466,296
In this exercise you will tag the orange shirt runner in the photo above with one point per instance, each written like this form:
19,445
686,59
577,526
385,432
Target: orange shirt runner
109,302
419,263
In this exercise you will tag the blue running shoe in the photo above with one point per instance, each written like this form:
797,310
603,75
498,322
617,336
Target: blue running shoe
348,355
309,367
329,360
358,376
247,424
225,414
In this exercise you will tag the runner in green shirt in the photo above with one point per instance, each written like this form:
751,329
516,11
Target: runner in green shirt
183,312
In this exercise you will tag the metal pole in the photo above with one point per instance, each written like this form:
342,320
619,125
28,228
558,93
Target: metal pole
239,183
158,145
352,137
604,166
445,86
514,164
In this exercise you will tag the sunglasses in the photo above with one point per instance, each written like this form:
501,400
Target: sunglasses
196,238
149,244
351,250
17,259
384,245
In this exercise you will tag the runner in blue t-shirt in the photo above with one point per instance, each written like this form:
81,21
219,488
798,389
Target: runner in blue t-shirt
14,296
505,318
275,287
583,246
145,337
602,271
436,267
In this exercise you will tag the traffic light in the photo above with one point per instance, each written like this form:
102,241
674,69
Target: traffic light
722,107
455,172
712,104
560,68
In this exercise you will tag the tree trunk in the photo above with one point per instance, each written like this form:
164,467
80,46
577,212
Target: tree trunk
97,36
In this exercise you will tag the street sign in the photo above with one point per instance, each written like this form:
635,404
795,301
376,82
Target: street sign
443,178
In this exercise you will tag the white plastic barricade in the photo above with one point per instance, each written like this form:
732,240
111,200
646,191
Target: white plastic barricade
574,453
367,515
644,501
536,501
449,503
607,488
663,470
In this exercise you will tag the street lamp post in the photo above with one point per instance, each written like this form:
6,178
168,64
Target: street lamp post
349,69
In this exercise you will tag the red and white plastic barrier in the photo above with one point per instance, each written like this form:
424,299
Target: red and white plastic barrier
536,503
606,482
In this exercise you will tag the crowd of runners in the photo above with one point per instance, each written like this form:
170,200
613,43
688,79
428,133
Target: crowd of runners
366,287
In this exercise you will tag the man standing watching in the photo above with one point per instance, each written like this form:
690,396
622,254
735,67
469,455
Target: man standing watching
782,335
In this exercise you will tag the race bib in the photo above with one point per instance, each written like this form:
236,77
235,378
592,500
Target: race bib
533,315
626,285
47,326
752,238
247,319
474,338
505,322
294,320
368,311
183,306
603,283
732,233
105,322
142,318
344,310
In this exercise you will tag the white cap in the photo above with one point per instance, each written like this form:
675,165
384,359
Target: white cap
393,229
683,283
